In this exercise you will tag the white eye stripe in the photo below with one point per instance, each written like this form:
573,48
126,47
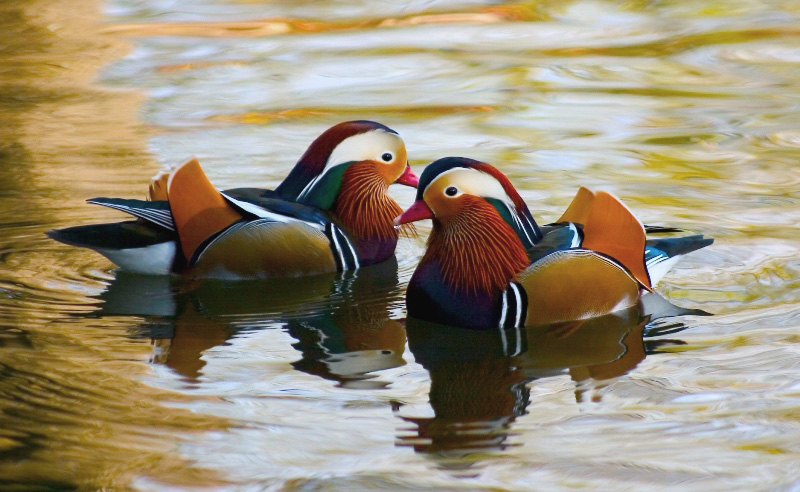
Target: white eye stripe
476,183
369,145
449,171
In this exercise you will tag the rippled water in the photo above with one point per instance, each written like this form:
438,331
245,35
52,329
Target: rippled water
686,110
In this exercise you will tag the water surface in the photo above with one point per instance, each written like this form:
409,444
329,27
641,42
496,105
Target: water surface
686,110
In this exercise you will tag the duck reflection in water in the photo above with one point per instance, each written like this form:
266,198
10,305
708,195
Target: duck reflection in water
340,321
480,378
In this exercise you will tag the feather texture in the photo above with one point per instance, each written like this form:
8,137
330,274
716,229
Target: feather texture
315,158
363,205
465,244
198,210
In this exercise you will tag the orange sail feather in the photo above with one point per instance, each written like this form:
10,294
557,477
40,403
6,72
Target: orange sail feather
198,209
612,229
578,210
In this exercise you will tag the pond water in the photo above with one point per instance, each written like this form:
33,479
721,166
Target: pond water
687,110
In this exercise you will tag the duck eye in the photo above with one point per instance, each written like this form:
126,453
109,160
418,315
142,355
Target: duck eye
387,156
451,191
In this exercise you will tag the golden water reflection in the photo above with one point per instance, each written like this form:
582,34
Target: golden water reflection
74,412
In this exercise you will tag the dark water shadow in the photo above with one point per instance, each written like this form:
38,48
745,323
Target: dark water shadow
344,332
341,322
481,380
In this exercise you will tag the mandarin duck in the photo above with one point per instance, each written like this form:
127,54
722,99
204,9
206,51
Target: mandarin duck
331,213
488,264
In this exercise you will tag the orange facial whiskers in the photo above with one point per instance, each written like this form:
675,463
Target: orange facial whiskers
477,250
363,204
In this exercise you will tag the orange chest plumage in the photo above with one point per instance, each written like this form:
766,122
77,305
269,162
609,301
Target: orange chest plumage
462,277
477,250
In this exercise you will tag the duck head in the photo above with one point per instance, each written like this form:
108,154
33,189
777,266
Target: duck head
481,226
446,188
356,194
347,142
